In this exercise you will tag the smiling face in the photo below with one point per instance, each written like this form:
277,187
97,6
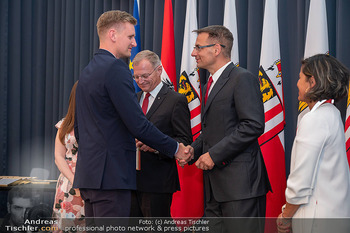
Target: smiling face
205,57
124,39
146,76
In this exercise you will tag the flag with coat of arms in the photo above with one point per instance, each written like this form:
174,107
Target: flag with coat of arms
272,140
189,202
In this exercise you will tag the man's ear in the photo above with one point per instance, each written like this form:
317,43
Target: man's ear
8,207
112,34
218,49
160,69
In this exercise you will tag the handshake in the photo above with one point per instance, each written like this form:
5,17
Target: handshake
186,154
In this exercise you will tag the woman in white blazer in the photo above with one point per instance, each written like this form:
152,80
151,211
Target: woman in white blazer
318,185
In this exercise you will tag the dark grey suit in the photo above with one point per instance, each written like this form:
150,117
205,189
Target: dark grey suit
232,121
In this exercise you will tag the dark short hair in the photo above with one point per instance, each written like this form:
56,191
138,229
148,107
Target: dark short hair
19,192
331,76
219,34
114,17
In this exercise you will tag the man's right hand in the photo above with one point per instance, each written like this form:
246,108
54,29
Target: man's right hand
184,154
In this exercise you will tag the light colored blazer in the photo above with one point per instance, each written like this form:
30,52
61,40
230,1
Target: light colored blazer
319,177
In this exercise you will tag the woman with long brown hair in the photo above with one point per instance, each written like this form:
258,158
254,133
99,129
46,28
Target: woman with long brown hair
68,202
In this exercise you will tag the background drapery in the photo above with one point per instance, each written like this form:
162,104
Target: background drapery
44,44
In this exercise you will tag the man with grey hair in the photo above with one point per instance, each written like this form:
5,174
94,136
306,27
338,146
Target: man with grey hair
108,119
157,177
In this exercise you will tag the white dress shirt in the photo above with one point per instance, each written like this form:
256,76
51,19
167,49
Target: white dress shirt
153,95
216,75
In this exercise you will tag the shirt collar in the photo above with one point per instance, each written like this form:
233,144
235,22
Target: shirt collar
155,91
319,103
218,73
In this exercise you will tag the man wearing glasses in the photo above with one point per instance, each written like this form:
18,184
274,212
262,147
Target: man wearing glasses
156,176
235,177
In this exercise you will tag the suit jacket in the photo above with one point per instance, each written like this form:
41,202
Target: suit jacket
170,114
232,121
319,179
108,118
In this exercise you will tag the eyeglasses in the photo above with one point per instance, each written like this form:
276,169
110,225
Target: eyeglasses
198,48
144,76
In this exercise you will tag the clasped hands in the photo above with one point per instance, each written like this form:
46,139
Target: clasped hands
184,155
204,162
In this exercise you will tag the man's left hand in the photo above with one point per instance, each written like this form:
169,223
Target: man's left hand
205,162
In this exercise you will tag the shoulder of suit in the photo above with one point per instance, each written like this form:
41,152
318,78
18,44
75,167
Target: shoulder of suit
174,93
111,58
239,72
170,93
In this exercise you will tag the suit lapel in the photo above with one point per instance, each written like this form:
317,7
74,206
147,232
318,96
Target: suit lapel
139,94
158,100
224,77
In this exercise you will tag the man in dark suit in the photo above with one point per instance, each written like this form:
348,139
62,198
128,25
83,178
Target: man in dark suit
235,177
157,178
108,119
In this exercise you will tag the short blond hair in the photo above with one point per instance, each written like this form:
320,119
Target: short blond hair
114,17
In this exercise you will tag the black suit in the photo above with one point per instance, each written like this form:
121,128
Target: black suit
158,175
232,121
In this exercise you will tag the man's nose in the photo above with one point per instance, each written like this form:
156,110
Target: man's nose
23,213
133,43
194,53
139,80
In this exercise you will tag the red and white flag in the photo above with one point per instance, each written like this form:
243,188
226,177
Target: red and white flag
347,128
272,141
189,202
230,21
168,46
316,39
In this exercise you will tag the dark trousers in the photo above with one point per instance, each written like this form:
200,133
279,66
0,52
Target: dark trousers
107,203
243,216
145,204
